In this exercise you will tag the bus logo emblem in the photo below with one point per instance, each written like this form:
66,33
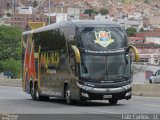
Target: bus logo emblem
103,38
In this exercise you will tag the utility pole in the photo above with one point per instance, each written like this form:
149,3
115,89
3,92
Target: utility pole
14,7
49,21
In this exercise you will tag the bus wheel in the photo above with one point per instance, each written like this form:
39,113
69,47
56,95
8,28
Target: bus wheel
38,96
33,93
68,95
150,81
113,101
37,92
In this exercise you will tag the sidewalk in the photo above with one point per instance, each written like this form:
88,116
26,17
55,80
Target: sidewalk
10,82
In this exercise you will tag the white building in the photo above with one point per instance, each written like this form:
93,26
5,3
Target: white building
73,13
149,56
103,17
137,24
155,40
59,16
25,10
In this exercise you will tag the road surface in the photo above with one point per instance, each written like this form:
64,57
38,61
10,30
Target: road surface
14,100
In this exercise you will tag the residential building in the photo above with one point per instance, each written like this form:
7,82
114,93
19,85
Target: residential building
103,17
137,24
58,17
22,20
149,51
25,10
73,13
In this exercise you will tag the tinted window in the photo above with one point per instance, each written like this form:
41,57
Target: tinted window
49,40
101,38
157,73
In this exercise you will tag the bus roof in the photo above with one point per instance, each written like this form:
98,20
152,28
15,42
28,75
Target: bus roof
75,23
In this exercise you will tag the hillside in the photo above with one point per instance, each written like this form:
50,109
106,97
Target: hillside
126,6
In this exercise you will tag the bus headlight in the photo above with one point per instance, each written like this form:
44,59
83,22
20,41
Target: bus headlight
128,94
85,95
84,87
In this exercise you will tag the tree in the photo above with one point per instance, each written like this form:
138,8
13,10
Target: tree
10,49
146,1
8,6
90,11
12,67
8,14
141,30
131,31
104,11
35,4
126,1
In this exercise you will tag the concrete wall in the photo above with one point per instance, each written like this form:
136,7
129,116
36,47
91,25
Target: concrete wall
10,82
152,90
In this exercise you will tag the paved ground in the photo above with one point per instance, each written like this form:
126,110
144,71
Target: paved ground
13,100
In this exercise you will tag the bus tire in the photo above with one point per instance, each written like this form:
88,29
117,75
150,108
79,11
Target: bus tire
113,101
68,95
37,92
32,91
150,81
38,96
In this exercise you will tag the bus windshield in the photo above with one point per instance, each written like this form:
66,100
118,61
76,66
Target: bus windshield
105,68
102,38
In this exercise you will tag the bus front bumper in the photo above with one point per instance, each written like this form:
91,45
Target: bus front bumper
92,93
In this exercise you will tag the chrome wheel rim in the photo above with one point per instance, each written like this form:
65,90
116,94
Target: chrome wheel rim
68,96
37,94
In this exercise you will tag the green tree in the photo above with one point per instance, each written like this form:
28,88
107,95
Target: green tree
146,1
90,11
131,31
10,49
8,14
35,3
126,1
141,30
12,66
104,11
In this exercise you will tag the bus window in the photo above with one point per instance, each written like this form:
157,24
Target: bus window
109,37
103,67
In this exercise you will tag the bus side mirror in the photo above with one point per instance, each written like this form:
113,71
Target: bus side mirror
134,49
77,53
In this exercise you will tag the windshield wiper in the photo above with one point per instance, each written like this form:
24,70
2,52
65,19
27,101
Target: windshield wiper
120,77
96,77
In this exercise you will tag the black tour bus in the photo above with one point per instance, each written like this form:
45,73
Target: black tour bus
78,60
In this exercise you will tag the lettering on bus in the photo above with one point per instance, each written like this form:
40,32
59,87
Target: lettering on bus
115,51
49,62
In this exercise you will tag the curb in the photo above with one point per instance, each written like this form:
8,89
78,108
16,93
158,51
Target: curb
11,82
151,90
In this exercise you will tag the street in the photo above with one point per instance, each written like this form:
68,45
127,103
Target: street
13,100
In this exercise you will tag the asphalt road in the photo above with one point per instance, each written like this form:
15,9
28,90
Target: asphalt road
14,101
